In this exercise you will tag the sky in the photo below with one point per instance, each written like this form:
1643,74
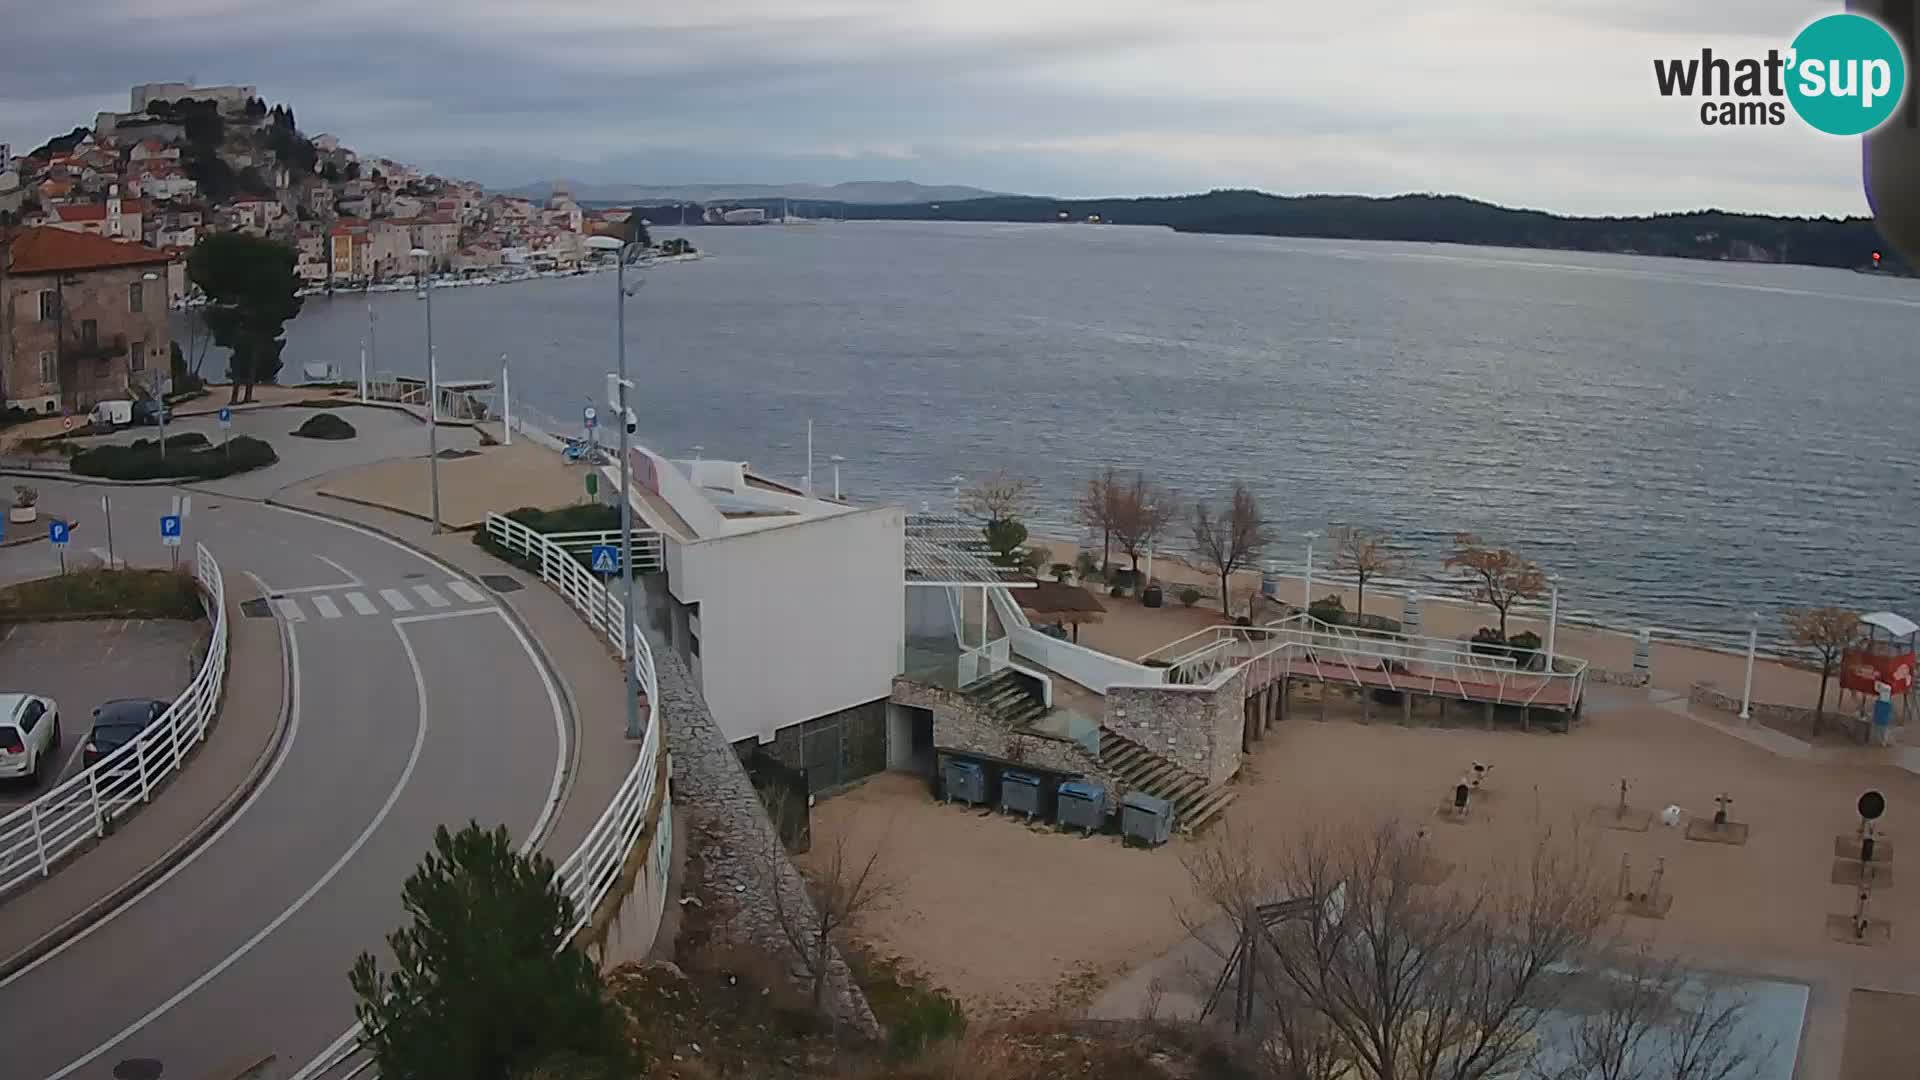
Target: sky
1547,104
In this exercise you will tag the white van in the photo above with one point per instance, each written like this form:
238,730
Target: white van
112,414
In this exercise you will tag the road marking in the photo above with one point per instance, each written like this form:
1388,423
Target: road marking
396,599
439,615
352,579
106,560
291,660
361,605
431,595
247,946
290,609
465,592
324,604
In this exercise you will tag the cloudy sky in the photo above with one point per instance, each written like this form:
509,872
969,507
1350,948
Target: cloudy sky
1539,103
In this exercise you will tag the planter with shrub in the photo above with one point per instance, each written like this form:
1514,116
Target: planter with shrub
143,460
26,505
1329,609
325,426
1189,596
1152,596
1061,571
1085,566
1117,591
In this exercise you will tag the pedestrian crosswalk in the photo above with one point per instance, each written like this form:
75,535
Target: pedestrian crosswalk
362,602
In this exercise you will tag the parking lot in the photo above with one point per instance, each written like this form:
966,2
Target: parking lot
81,664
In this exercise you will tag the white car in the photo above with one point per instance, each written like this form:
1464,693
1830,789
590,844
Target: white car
29,735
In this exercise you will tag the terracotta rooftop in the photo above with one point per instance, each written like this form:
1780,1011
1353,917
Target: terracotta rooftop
97,211
48,251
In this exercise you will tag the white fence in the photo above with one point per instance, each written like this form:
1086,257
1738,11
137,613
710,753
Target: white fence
81,808
588,873
1094,670
648,554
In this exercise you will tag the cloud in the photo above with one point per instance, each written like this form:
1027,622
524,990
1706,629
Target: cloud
1549,106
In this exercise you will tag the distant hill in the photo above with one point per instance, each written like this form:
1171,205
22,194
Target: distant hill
1450,219
868,192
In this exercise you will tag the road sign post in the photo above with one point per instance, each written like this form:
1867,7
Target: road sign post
606,559
170,535
106,508
58,533
226,425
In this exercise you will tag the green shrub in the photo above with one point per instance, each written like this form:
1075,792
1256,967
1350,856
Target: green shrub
1189,596
1524,646
103,593
1329,609
143,460
1060,571
325,426
1085,565
1488,642
1117,591
186,441
930,1016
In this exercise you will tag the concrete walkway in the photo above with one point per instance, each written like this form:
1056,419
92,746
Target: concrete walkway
212,783
498,478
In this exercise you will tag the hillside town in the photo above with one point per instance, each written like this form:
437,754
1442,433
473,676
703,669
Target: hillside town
184,161
96,226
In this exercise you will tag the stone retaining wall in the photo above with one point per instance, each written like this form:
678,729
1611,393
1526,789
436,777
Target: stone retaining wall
960,723
1710,696
746,867
1619,678
1194,728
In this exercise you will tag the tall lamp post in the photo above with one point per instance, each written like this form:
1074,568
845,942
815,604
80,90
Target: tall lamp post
624,251
1753,646
1306,601
1553,617
420,257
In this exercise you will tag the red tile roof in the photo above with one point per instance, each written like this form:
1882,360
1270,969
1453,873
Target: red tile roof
97,211
48,250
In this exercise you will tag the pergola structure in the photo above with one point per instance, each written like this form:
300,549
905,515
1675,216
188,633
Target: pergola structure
945,553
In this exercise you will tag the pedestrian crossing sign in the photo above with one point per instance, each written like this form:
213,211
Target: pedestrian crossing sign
606,559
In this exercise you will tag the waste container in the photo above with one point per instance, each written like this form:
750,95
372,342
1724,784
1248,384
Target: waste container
1082,806
1020,793
966,781
1145,818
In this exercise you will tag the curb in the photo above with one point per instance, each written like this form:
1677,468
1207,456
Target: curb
86,917
512,613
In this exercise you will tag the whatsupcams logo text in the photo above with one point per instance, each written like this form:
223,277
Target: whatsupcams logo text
1843,74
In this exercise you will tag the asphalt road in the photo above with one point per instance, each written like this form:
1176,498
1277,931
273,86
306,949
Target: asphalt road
416,703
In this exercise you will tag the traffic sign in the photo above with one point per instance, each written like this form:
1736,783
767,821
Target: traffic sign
57,532
66,423
170,529
226,417
592,417
606,559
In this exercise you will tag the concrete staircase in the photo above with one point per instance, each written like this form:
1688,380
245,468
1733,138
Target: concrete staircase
1195,802
1010,697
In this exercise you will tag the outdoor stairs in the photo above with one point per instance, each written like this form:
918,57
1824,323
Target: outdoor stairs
1010,698
1195,802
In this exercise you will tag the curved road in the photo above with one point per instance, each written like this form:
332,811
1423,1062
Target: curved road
414,702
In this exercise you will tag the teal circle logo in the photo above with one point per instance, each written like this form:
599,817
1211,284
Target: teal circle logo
1847,74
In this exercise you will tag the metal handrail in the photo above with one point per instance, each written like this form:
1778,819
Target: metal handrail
79,809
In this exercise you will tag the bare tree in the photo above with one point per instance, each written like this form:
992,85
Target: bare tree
1369,973
1000,496
1499,577
1365,554
1823,634
1142,511
1097,509
1230,539
1649,1018
840,887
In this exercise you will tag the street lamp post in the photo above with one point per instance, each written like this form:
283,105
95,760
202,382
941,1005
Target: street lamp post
1753,646
956,480
161,412
421,255
1147,513
1553,616
623,251
1306,600
836,459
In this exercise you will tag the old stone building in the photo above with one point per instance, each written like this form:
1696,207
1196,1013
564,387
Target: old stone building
82,319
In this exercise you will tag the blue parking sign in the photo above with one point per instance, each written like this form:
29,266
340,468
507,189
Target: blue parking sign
57,532
606,559
226,416
170,530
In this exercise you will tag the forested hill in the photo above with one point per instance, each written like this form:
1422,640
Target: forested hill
1708,234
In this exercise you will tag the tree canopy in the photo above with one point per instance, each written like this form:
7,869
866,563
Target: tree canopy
251,289
484,985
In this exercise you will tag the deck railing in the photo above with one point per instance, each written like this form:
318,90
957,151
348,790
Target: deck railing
83,807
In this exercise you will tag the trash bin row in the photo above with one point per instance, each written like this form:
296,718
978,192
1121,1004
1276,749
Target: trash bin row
1074,804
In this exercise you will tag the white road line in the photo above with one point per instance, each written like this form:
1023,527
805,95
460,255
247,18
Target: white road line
325,605
439,615
247,946
290,609
292,669
432,596
396,599
361,605
344,572
465,592
109,561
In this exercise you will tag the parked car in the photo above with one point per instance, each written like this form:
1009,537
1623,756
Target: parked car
148,412
110,415
116,723
29,735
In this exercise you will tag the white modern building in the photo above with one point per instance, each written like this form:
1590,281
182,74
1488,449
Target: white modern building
790,610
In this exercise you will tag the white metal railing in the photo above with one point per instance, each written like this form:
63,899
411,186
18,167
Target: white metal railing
81,808
1303,645
648,552
588,873
1090,668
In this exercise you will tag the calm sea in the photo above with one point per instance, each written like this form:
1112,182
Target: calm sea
1682,442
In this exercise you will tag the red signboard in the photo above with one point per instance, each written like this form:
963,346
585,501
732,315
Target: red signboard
1861,669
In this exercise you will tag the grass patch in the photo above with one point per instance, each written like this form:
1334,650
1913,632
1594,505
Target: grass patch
100,593
325,426
327,403
143,461
583,517
916,1014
